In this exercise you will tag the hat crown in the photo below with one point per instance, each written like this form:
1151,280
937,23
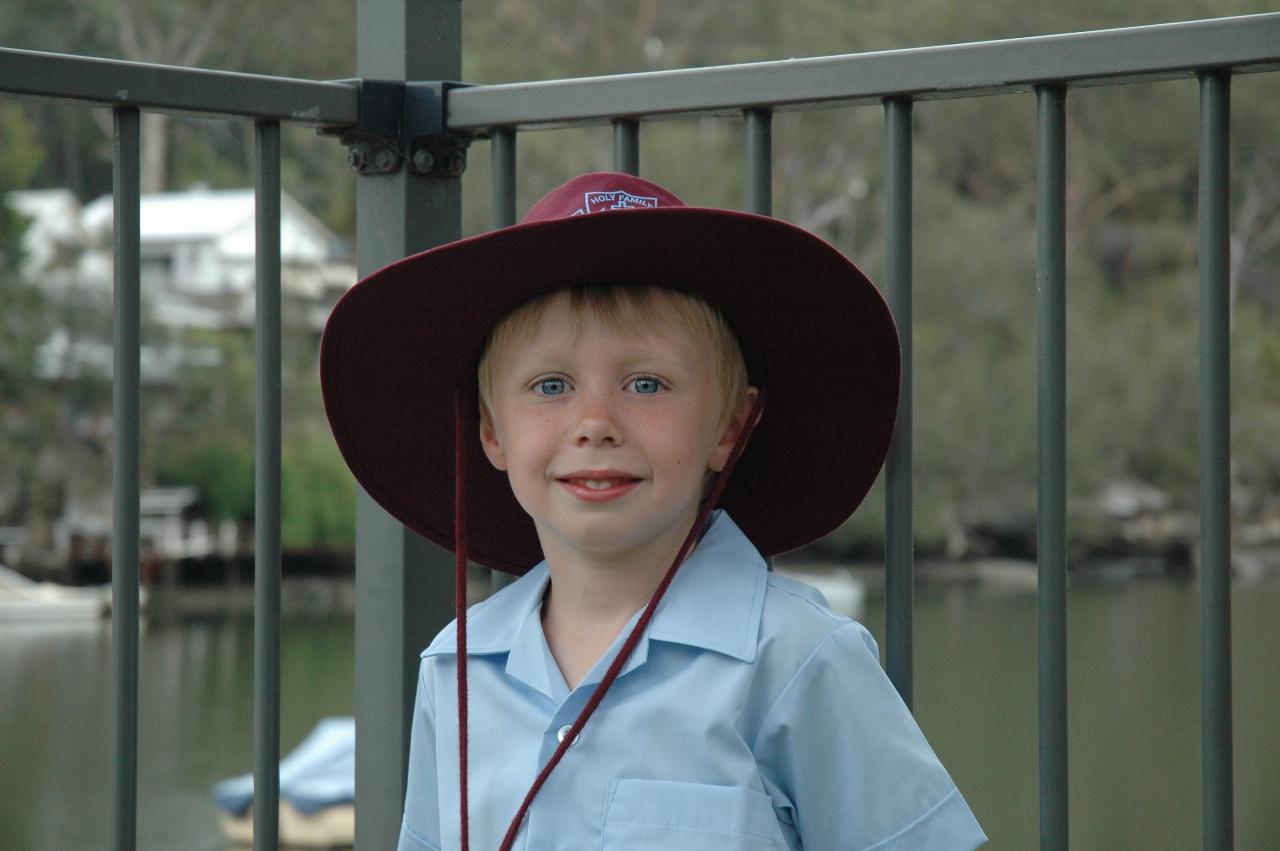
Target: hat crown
600,192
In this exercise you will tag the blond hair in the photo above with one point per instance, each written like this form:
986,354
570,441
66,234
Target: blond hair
626,308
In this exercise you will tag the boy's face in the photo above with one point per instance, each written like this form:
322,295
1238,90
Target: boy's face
607,437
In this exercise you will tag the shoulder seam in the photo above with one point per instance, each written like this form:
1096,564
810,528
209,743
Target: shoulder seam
424,691
832,616
764,724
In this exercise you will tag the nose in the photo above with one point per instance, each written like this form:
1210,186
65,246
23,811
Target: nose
597,421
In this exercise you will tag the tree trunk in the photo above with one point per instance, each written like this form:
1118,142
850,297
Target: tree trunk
155,152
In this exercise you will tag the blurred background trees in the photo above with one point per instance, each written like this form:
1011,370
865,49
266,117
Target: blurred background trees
1132,279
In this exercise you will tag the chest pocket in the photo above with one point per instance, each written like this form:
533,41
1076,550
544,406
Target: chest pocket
688,816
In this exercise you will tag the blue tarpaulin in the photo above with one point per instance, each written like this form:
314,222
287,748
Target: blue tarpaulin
320,772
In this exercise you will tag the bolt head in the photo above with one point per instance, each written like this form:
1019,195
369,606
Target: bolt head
384,159
355,158
423,161
457,163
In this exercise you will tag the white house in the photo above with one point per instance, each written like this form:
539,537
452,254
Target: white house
197,254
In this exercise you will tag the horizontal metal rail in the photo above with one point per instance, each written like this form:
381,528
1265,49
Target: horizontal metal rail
1133,54
1241,44
168,88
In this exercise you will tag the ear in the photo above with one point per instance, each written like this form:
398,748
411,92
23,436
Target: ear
492,445
720,456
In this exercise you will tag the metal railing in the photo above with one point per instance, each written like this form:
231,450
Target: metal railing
127,88
399,603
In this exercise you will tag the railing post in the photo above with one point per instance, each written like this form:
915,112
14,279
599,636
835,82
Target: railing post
1051,394
899,539
503,186
626,146
759,145
267,516
403,584
1215,460
125,472
503,205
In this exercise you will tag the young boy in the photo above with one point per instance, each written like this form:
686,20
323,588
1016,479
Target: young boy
628,403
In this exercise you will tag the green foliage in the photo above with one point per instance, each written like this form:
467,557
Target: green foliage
220,466
23,319
1255,426
21,154
27,413
1132,284
20,158
318,493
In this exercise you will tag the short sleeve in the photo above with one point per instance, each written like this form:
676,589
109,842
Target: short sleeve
420,829
848,766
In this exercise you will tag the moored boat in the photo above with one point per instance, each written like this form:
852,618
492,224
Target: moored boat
25,600
317,792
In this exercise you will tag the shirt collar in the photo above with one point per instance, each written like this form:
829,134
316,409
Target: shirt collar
724,567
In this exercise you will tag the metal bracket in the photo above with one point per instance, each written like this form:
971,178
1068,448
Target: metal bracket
403,124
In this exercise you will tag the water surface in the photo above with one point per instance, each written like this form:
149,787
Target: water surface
1134,716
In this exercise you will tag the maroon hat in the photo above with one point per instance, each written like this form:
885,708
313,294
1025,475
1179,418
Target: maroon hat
816,334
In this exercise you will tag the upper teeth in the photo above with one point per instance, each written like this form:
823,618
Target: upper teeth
597,484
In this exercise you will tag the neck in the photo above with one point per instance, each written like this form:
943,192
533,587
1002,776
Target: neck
593,588
590,599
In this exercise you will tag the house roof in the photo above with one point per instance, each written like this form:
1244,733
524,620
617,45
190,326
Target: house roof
202,215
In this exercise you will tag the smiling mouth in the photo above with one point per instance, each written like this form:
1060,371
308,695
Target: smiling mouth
598,484
598,487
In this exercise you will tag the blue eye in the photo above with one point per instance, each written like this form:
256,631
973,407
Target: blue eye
551,386
646,385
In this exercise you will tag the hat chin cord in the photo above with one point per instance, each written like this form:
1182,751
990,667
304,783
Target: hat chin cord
615,668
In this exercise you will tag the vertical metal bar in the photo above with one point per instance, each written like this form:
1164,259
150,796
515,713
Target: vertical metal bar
759,144
126,409
626,145
503,204
758,141
1215,460
266,520
1051,349
404,585
503,161
899,539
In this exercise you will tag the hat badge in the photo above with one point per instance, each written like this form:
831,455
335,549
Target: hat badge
615,199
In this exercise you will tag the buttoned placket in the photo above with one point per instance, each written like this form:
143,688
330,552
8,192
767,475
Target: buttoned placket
570,705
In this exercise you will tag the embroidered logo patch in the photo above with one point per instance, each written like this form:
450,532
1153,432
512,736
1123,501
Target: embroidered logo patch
595,202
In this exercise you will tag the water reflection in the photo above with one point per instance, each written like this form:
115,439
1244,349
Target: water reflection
195,718
1134,716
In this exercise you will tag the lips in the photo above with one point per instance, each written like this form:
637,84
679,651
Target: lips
598,485
610,476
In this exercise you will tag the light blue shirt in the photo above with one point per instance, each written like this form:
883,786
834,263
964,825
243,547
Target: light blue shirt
749,716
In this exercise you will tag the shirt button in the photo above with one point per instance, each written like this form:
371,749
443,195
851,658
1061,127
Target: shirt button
564,731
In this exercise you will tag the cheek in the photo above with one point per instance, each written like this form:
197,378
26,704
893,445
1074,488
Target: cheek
531,441
683,442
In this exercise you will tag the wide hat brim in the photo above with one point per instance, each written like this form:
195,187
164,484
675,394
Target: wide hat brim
816,333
